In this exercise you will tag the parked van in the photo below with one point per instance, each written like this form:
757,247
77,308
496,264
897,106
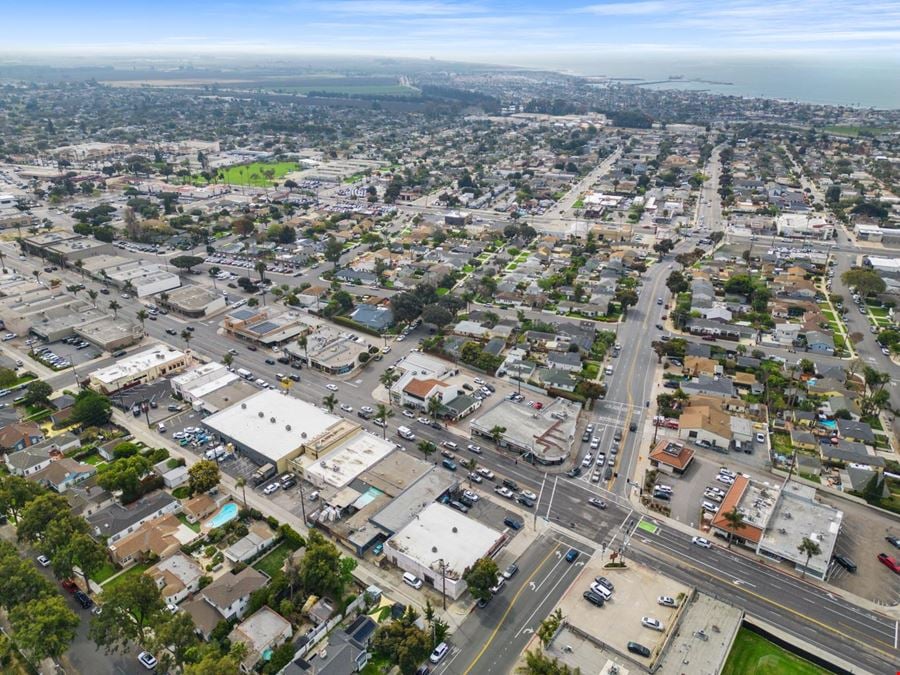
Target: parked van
439,652
412,580
406,432
601,590
161,428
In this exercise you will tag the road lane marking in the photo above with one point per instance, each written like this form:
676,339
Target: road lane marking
503,618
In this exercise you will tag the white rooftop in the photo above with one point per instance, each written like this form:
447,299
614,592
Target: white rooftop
204,379
357,454
272,423
439,532
156,356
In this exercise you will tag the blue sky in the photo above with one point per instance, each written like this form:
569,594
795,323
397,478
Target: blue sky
529,32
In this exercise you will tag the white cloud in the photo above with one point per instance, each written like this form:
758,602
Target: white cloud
641,7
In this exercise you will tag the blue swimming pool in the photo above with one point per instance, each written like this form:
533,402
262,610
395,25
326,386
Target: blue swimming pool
828,424
225,514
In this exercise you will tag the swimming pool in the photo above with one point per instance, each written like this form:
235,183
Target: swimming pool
828,424
225,514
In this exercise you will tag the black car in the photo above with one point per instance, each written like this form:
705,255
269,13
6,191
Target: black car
512,523
845,562
606,583
632,426
525,501
585,437
119,353
252,348
574,472
639,649
270,362
893,541
83,600
608,473
104,291
511,484
190,329
671,384
593,598
171,331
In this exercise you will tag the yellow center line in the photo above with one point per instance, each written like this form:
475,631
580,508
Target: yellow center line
868,644
508,610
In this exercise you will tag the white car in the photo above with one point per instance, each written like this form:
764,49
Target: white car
147,660
366,409
271,488
650,622
529,494
504,491
479,381
760,438
725,472
588,460
659,487
43,560
474,448
471,496
487,473
722,478
701,542
331,387
599,503
406,413
346,408
714,496
666,601
709,507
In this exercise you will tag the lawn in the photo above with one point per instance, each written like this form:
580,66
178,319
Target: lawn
754,654
104,572
468,269
442,291
94,459
127,576
854,131
257,174
781,443
194,526
274,559
878,311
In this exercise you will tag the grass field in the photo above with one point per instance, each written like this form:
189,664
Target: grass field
257,174
274,559
127,576
854,131
754,654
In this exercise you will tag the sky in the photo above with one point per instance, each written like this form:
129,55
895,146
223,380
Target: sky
520,32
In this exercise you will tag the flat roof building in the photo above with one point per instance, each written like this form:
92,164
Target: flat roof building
440,544
265,325
194,301
272,427
356,454
330,351
201,380
145,279
139,368
545,435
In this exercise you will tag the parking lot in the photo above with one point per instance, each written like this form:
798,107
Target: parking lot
687,490
72,353
157,396
862,539
634,596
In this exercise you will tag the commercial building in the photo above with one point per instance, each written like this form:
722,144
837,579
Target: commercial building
355,454
419,366
139,368
265,325
671,457
57,317
806,226
194,302
64,247
143,278
777,519
544,436
331,351
272,427
194,384
439,545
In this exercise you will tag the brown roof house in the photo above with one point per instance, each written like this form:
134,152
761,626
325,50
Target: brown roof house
161,537
225,598
19,435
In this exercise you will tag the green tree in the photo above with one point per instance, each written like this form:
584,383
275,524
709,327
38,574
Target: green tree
187,336
426,448
125,476
115,307
91,409
321,568
437,315
38,514
38,393
214,663
203,476
130,611
808,548
735,520
549,626
538,663
174,640
333,250
867,282
481,577
434,406
228,359
83,552
15,493
44,627
142,316
185,262
402,642
330,401
382,412
497,433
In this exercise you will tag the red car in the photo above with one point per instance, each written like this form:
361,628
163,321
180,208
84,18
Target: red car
69,585
889,562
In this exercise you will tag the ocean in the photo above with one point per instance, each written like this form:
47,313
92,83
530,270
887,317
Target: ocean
868,83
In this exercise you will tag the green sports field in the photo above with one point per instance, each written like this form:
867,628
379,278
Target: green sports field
752,653
257,174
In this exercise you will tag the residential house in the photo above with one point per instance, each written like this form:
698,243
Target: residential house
567,361
553,378
261,632
63,473
258,539
172,477
373,317
820,343
117,521
711,386
705,424
695,366
347,653
202,506
417,392
87,498
160,537
225,598
177,577
860,432
19,435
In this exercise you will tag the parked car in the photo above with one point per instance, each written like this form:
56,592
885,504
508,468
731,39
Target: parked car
271,488
593,598
639,649
43,561
666,601
845,562
651,623
890,562
571,555
702,542
510,571
893,541
147,660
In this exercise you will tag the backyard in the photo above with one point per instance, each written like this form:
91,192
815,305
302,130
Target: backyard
271,563
126,577
752,653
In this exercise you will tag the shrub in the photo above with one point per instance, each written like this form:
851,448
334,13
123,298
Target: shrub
204,581
272,522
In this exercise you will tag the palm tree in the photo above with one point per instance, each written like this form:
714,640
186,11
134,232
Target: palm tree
92,294
228,359
426,448
115,307
37,275
497,433
163,297
260,268
434,407
809,548
735,520
303,343
242,483
382,412
128,287
186,336
387,380
142,317
79,265
213,271
329,402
